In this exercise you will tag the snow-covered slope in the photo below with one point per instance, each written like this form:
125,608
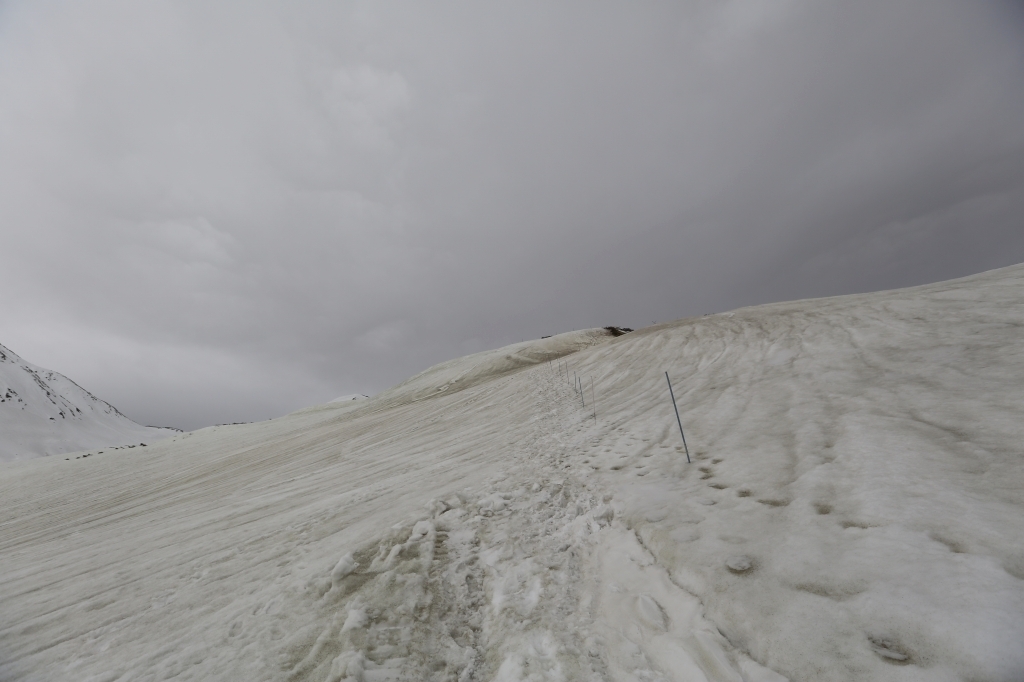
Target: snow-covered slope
350,397
44,413
854,511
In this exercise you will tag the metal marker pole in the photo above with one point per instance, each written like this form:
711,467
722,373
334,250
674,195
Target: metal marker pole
593,400
678,420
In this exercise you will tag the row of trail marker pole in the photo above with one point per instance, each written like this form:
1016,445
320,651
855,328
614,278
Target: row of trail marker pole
577,385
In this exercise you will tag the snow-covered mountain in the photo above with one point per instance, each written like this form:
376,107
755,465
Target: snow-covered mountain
42,412
854,510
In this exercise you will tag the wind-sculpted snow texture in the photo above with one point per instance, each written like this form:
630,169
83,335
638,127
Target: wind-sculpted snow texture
456,375
43,412
853,512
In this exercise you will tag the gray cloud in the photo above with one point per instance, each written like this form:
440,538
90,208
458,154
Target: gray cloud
221,212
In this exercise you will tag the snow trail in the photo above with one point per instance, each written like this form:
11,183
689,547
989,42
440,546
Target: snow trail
530,578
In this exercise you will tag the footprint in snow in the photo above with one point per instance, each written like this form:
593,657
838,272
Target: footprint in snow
651,613
739,564
889,650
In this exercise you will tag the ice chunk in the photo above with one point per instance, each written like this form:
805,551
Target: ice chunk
494,502
603,514
344,566
356,618
348,666
421,529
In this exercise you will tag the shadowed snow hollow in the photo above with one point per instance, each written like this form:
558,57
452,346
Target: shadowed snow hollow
45,413
854,511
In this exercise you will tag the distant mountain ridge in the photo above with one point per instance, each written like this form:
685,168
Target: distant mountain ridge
43,412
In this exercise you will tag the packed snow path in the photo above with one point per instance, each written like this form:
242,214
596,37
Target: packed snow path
530,578
853,512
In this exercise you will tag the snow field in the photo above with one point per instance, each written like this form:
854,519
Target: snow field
853,512
492,580
863,453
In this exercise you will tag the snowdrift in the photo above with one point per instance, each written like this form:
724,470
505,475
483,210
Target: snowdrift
853,512
465,372
44,413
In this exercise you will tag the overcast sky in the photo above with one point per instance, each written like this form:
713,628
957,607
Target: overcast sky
225,211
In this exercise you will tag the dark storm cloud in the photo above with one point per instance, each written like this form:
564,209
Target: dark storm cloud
219,212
